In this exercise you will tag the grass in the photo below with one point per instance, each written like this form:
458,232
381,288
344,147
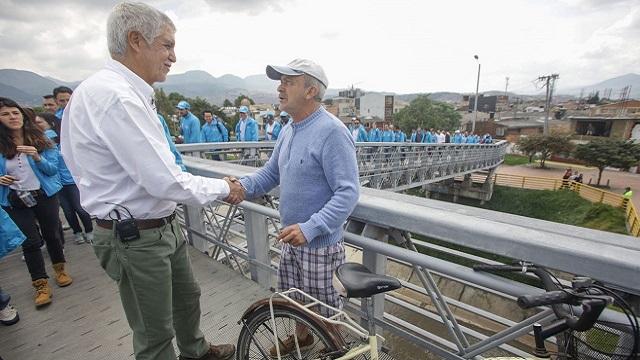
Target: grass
512,159
562,206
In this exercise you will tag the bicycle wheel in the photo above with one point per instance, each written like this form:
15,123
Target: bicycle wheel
256,337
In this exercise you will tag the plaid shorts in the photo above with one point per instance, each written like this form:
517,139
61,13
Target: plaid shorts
311,270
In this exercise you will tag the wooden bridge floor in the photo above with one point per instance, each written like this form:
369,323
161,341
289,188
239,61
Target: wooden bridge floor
86,320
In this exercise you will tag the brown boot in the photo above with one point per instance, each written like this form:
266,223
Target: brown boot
43,292
216,352
62,278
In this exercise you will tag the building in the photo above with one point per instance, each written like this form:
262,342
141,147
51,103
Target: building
512,129
380,105
616,120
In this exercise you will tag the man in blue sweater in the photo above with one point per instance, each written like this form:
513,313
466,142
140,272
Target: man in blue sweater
314,162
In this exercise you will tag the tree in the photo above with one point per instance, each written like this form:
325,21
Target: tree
425,113
227,103
608,152
241,97
595,99
545,146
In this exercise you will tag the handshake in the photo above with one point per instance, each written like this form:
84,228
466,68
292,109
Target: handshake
236,191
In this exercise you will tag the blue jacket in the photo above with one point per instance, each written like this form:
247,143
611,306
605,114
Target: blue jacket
10,236
362,134
400,136
251,130
375,135
388,136
276,130
63,170
457,138
214,132
172,145
59,113
46,171
190,128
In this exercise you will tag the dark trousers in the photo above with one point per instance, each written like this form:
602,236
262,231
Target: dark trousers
70,201
46,214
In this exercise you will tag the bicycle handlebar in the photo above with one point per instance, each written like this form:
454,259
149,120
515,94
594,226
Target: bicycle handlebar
548,298
592,306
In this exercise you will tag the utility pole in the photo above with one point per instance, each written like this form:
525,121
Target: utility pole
550,82
506,86
475,105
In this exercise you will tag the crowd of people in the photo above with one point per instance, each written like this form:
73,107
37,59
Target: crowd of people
388,133
34,183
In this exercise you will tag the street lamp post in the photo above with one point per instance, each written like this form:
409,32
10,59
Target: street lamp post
475,103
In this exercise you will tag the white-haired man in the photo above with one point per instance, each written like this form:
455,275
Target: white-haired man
314,162
139,178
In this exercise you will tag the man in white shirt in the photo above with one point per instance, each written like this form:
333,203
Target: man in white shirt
139,178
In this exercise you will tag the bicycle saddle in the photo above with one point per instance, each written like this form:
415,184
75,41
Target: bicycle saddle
355,280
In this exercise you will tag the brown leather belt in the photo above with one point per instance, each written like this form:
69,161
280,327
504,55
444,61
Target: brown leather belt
143,224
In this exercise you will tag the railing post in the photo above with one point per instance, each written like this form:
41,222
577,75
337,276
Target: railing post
378,264
194,220
257,247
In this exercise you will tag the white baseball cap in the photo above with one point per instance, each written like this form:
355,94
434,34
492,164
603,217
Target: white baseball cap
298,67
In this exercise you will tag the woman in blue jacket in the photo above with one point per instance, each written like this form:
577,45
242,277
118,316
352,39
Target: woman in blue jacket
29,184
69,195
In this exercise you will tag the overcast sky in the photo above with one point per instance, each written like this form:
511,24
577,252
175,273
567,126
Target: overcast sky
394,45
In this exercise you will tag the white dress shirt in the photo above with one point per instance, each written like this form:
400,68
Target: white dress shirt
116,150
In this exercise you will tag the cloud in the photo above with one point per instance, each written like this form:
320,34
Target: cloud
248,7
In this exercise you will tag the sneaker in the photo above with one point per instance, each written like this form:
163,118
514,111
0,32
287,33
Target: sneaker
9,316
79,238
288,346
89,237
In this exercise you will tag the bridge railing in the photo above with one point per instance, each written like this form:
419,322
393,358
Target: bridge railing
394,166
242,237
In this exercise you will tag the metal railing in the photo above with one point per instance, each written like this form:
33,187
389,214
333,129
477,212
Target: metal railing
242,238
393,166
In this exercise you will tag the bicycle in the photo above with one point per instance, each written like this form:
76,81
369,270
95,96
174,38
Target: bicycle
577,337
268,321
263,321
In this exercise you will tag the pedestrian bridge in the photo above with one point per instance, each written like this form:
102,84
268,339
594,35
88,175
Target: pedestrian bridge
444,309
390,166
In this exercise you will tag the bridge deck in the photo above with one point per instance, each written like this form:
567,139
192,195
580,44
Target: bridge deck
86,320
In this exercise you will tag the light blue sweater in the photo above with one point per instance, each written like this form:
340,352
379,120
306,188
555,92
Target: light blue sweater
314,162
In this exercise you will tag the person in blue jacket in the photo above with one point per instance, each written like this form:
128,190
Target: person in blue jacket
358,132
272,128
189,123
172,145
69,195
10,238
247,127
387,134
400,136
29,186
374,134
213,130
457,137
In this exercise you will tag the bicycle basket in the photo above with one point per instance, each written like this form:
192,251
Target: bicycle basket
605,341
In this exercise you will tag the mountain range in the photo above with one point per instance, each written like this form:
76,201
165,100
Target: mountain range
27,87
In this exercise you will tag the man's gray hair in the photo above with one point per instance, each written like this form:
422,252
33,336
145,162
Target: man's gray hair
310,81
133,16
